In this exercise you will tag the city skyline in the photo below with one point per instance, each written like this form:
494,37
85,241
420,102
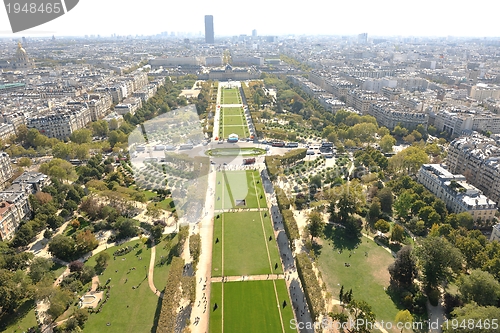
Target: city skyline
385,18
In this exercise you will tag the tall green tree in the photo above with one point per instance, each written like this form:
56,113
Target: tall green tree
438,259
480,287
408,161
397,233
404,317
387,142
315,224
386,199
403,204
39,268
477,314
359,311
81,136
62,247
403,270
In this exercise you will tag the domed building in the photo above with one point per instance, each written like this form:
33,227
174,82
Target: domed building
21,60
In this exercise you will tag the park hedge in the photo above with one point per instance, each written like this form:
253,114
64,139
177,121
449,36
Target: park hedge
195,248
171,297
290,225
311,286
182,237
289,222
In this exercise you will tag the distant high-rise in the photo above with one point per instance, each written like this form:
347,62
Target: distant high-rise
254,33
363,38
209,29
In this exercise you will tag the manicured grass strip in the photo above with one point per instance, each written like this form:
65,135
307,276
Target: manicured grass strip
230,96
273,249
233,120
287,311
241,131
217,247
250,307
215,320
229,196
244,245
217,152
239,185
232,111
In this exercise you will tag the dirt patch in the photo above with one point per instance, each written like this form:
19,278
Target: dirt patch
379,269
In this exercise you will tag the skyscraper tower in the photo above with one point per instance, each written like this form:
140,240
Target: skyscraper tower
209,29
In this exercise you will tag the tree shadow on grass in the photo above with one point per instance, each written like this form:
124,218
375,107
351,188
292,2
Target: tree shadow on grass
17,315
157,316
341,240
316,248
395,295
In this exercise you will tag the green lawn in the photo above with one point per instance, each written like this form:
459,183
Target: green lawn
232,111
249,307
230,96
58,269
161,270
239,185
233,120
127,309
166,204
367,274
22,322
149,195
243,245
240,130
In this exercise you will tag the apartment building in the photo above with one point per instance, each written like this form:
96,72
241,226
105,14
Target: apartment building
247,60
6,131
14,207
14,201
478,157
6,171
458,195
129,105
8,221
495,233
482,91
362,100
61,123
32,181
339,88
391,114
99,105
456,121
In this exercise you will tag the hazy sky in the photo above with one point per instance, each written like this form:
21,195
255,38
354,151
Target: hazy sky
382,18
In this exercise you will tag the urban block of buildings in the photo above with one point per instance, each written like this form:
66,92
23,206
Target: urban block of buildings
14,202
458,195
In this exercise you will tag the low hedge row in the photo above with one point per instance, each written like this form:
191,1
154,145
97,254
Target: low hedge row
195,248
311,286
171,297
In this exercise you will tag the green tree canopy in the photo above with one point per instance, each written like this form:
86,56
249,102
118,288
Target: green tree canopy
438,259
315,224
386,143
81,136
480,287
